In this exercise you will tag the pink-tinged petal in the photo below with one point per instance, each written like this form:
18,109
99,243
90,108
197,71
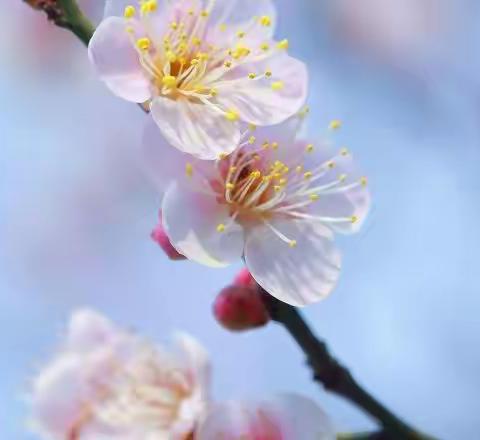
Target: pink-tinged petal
298,275
195,129
283,417
59,396
116,61
266,101
196,357
191,220
297,418
88,330
227,421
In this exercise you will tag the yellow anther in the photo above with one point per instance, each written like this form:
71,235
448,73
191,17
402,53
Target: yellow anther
342,177
314,197
230,186
277,85
227,64
266,145
309,148
240,52
292,243
130,29
252,127
255,174
275,145
241,34
251,140
148,6
233,169
232,115
283,181
268,73
277,188
223,27
169,81
256,157
189,169
171,56
252,75
344,152
129,11
204,14
308,175
335,124
213,92
364,181
331,164
190,11
174,25
221,227
283,44
265,20
299,168
143,43
354,219
194,62
196,41
264,46
222,156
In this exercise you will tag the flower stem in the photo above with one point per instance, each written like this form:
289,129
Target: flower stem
73,18
335,377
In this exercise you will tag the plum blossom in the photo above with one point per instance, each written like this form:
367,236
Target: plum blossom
277,201
202,67
107,384
283,417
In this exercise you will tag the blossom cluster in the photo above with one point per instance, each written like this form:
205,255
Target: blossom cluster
106,383
225,144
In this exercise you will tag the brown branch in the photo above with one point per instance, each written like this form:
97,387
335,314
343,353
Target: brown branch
334,377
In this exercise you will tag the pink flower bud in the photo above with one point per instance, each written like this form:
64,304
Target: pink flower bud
240,308
244,278
160,237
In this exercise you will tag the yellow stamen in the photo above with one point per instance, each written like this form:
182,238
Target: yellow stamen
232,115
143,43
169,81
189,169
292,243
283,44
308,175
265,21
221,227
264,46
278,85
251,140
363,181
335,124
314,197
129,11
309,148
252,75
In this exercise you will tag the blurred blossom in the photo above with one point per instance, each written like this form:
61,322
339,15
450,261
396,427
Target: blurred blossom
283,417
204,68
278,200
108,383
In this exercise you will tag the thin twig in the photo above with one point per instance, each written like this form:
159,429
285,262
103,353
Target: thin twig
335,377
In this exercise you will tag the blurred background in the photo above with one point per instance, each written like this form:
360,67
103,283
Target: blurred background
76,212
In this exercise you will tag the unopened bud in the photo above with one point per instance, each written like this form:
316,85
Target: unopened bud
160,237
244,278
240,308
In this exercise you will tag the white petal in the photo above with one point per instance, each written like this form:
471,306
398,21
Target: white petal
238,13
117,7
195,128
297,275
116,61
191,219
298,417
88,330
355,201
256,101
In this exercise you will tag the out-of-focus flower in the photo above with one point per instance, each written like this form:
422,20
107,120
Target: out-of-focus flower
160,237
107,383
240,307
285,417
203,66
277,201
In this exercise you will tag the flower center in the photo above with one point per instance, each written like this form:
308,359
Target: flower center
259,186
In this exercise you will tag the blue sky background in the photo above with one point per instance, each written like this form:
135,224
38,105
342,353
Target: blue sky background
76,211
